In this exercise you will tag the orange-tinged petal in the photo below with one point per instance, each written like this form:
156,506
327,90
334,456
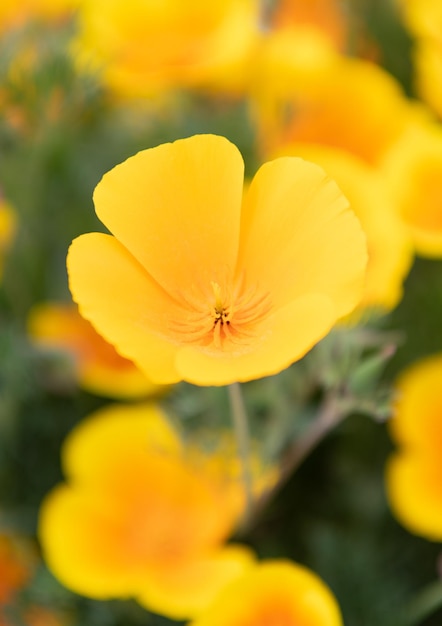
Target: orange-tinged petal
188,196
298,236
96,365
118,297
273,593
188,590
290,333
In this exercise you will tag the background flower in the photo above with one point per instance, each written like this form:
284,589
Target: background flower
414,470
97,366
141,517
274,592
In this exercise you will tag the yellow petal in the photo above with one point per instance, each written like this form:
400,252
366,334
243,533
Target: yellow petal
416,421
289,333
176,208
184,592
274,592
115,433
390,252
298,236
123,303
80,544
413,170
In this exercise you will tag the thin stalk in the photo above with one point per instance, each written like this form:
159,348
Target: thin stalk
242,434
330,415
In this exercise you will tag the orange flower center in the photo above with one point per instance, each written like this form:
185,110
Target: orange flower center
221,316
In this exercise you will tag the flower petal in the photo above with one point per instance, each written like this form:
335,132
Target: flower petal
413,481
185,591
81,544
123,303
116,433
292,331
274,592
176,208
299,236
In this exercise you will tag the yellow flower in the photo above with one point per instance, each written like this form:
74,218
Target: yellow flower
340,102
274,592
8,227
142,516
98,367
144,46
193,286
390,253
414,471
413,171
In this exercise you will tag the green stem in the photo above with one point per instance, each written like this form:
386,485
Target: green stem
424,604
241,427
330,415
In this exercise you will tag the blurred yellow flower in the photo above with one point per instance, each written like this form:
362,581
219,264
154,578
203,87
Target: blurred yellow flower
414,471
423,17
340,102
8,225
96,364
424,20
195,287
390,252
143,46
413,170
142,515
274,592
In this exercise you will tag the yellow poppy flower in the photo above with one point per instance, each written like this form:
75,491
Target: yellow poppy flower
414,471
390,252
413,170
274,592
341,102
193,286
143,47
97,366
142,516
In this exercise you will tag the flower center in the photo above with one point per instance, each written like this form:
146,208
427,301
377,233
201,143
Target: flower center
220,316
